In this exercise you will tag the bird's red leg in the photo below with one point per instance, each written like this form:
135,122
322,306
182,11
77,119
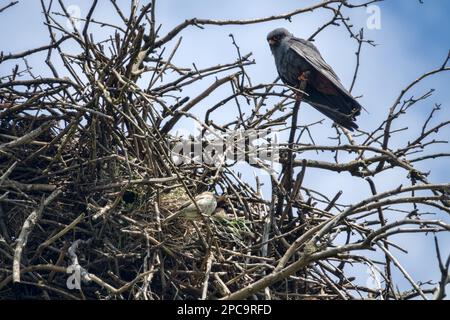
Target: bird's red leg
303,78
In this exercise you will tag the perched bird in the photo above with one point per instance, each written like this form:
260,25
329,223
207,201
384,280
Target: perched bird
206,202
295,58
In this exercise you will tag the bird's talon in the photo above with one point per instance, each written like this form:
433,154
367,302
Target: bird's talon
303,76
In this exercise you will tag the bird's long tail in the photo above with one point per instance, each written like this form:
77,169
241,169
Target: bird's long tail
341,108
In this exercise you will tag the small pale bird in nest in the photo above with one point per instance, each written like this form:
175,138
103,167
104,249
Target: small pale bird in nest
206,202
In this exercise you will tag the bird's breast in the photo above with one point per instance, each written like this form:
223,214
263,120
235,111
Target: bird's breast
290,65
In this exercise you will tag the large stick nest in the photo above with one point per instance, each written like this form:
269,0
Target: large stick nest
88,178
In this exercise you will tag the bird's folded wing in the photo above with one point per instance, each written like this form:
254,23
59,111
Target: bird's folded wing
310,53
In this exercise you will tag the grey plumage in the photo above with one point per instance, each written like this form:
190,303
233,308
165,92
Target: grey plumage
293,57
206,202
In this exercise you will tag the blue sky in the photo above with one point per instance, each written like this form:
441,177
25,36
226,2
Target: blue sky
414,38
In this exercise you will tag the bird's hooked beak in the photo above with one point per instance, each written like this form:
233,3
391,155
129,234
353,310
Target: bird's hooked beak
271,41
